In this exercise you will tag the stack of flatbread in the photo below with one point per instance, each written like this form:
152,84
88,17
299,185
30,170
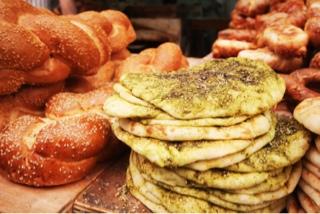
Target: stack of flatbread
205,140
308,193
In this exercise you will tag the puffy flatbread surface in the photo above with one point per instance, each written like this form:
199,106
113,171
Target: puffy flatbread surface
217,88
173,153
289,145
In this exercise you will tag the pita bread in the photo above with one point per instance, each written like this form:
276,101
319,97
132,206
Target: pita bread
307,203
289,145
217,88
153,173
227,160
167,120
223,179
310,191
271,184
313,156
174,154
174,202
311,167
293,205
154,207
205,195
265,196
308,113
311,179
188,178
249,129
115,106
171,201
127,96
222,121
317,143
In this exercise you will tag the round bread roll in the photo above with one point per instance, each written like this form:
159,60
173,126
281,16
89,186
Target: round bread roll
308,113
297,83
312,28
166,58
315,61
284,39
122,33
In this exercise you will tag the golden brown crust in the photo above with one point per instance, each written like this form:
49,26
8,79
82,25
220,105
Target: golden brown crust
67,104
313,8
64,40
296,83
104,76
284,39
296,9
169,57
121,55
95,32
20,49
23,165
30,100
312,28
252,8
262,21
97,20
275,61
75,138
241,22
48,47
11,10
247,35
122,33
59,147
166,58
11,81
315,61
53,70
223,48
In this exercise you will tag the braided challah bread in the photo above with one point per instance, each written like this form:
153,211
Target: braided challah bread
38,47
29,101
60,145
48,143
166,58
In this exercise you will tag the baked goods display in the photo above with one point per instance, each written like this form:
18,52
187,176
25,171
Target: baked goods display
49,137
217,137
298,81
307,195
51,151
165,58
42,48
205,139
282,33
38,146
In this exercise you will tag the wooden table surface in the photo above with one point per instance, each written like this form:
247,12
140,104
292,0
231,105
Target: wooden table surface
21,198
108,193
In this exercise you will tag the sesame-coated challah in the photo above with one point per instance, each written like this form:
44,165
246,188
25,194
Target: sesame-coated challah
38,47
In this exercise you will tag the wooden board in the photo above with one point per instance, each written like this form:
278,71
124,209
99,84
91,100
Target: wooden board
108,192
20,198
